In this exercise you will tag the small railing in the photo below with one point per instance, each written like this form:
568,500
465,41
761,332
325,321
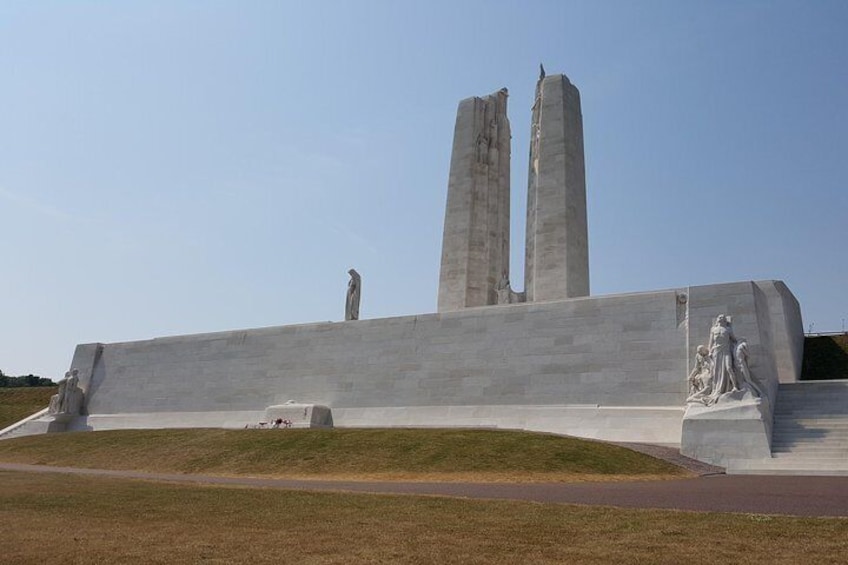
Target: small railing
20,423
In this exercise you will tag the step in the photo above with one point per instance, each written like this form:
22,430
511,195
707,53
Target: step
829,442
826,395
832,394
792,409
794,427
837,410
830,401
810,437
812,441
812,432
814,445
810,423
821,432
823,458
812,415
835,454
817,419
817,392
771,467
814,435
789,465
836,406
810,450
815,385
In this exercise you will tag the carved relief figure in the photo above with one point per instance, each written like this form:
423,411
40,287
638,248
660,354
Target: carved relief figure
700,379
504,290
354,290
482,149
492,149
744,373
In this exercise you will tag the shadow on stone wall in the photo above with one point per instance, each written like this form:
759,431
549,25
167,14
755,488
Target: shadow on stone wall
825,358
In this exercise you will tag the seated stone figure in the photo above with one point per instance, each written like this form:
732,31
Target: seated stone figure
57,399
69,398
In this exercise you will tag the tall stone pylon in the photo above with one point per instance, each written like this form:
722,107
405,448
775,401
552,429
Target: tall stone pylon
557,249
475,245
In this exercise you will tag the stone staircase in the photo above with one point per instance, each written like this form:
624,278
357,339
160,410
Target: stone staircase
28,426
810,435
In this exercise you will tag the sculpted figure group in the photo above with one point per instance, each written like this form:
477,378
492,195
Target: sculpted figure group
68,400
721,367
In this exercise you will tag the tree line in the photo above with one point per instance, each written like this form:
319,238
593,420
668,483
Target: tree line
23,380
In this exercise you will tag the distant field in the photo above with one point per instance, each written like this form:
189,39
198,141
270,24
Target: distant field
388,454
16,403
52,518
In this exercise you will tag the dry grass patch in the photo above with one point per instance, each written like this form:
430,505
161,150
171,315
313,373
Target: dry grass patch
52,518
385,454
16,403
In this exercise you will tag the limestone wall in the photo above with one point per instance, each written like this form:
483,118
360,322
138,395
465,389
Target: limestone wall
602,353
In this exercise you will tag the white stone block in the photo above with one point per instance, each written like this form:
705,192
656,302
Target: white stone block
297,415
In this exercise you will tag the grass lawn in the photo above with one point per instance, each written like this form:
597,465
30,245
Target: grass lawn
16,403
385,454
51,518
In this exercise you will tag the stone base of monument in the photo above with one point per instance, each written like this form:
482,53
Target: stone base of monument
60,419
297,415
738,426
37,426
639,424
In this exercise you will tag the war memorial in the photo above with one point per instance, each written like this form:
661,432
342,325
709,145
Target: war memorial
701,367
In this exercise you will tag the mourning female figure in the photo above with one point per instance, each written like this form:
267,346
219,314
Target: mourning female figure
354,289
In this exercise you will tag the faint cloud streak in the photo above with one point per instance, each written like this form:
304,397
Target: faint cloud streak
34,205
351,235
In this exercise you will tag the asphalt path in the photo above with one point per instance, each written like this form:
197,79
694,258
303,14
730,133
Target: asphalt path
749,494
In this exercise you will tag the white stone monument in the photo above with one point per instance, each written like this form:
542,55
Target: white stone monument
728,413
549,359
475,247
557,250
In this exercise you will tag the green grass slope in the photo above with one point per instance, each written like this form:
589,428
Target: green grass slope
825,358
19,402
408,454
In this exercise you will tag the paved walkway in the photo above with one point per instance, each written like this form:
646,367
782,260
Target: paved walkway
797,496
673,456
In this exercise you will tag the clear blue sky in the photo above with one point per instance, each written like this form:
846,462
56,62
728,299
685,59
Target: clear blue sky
179,167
